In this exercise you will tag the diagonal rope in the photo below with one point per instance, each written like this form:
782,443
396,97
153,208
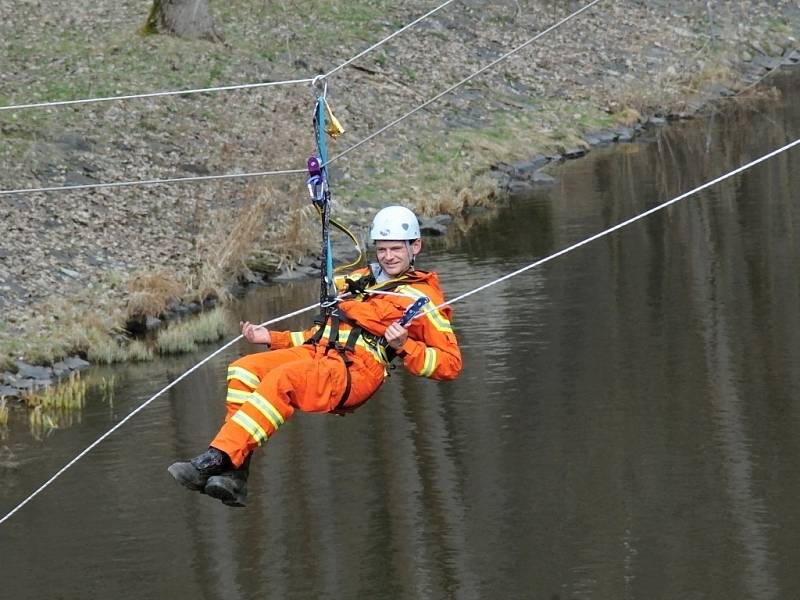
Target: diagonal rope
338,156
494,282
222,88
243,86
616,227
139,409
386,39
466,79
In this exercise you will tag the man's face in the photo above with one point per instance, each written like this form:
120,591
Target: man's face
394,257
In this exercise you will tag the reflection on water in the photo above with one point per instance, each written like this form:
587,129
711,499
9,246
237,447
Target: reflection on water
625,426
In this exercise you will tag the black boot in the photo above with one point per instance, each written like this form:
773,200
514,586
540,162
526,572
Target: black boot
193,474
230,487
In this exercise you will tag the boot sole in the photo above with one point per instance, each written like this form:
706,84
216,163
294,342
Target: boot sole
185,474
224,495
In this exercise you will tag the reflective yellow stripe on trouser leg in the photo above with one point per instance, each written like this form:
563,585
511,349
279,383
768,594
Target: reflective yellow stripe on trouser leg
236,396
258,417
243,375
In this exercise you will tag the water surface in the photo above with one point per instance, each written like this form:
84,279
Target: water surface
625,426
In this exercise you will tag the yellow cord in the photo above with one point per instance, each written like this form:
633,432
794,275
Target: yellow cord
349,234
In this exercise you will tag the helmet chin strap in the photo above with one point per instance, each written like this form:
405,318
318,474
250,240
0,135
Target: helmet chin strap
411,256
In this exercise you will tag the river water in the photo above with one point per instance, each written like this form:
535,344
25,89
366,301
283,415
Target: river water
626,425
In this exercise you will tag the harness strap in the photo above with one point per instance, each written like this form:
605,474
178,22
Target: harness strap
349,347
356,331
345,351
333,338
378,341
321,322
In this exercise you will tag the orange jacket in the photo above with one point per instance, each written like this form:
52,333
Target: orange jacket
431,349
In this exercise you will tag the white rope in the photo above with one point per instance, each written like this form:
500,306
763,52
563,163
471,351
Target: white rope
388,293
386,39
140,408
120,184
223,88
610,230
243,86
465,80
420,314
338,156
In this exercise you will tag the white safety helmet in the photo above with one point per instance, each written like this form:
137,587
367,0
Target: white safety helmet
394,223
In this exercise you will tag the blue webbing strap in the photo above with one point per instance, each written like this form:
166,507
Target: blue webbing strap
322,147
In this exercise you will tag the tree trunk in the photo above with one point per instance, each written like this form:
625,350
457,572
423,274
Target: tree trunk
189,19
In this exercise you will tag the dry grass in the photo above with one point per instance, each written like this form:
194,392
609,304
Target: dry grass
460,196
67,395
627,117
270,212
3,412
107,387
42,422
184,336
151,293
85,325
98,336
138,351
631,99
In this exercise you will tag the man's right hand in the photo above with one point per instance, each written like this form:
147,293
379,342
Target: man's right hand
255,334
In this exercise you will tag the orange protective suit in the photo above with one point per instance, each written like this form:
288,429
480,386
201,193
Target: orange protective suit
265,389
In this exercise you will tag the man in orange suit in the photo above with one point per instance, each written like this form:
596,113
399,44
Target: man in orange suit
334,366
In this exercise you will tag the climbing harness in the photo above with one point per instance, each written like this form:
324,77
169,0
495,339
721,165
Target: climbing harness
330,318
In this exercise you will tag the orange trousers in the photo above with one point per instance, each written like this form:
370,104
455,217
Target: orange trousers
265,389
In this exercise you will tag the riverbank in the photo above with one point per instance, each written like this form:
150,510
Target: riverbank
76,267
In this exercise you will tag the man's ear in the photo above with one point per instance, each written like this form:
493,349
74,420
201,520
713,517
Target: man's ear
416,246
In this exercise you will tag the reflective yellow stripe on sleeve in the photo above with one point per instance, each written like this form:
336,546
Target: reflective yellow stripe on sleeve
265,408
243,375
430,363
297,338
250,426
438,320
237,396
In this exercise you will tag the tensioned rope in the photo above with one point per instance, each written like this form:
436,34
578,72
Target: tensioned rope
141,407
616,227
489,284
386,39
340,155
121,184
467,79
244,86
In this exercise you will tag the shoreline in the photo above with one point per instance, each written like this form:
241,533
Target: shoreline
499,179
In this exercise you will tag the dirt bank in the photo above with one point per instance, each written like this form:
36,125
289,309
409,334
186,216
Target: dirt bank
74,265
